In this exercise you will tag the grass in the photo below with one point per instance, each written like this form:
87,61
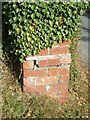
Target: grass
16,104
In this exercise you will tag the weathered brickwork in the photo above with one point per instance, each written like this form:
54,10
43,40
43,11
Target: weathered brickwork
47,73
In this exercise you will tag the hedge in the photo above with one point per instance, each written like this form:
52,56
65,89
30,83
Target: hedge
32,26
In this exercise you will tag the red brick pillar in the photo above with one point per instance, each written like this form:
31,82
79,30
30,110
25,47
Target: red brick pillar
48,72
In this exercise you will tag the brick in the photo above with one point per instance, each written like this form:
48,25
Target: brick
58,94
30,89
27,87
43,52
53,71
34,89
52,94
31,80
49,62
55,91
32,73
66,59
63,94
64,78
57,71
26,82
47,80
59,50
58,87
63,71
28,64
41,89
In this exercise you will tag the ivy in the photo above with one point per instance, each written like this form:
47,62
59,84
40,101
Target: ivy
32,26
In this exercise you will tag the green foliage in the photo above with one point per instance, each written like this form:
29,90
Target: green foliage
74,72
37,25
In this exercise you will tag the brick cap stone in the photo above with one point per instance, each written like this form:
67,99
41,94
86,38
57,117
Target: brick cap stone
29,58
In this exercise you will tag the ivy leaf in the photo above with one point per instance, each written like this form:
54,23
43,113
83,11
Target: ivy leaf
37,25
